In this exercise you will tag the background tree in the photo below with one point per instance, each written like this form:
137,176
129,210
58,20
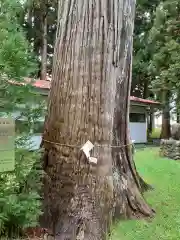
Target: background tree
39,21
165,66
89,100
142,50
142,54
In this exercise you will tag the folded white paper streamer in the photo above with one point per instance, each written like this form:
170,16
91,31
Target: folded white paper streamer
86,148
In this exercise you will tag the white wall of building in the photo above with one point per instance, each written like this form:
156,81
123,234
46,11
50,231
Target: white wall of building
138,132
138,128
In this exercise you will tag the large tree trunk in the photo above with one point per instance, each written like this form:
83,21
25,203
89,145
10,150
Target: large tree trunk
166,126
89,101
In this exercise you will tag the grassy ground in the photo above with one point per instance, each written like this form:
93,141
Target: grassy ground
164,175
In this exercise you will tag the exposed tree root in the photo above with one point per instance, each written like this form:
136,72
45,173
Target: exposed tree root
145,186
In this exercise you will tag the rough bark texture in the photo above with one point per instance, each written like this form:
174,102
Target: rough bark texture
175,131
166,126
177,108
44,30
177,117
37,31
151,121
44,51
89,101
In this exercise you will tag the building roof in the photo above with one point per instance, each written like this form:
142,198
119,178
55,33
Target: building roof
144,101
45,84
42,84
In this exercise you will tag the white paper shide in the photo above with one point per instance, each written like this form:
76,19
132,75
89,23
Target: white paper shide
86,148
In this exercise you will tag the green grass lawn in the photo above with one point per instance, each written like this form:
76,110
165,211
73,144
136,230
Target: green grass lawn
164,175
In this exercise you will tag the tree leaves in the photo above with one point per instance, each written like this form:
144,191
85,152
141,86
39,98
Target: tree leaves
166,46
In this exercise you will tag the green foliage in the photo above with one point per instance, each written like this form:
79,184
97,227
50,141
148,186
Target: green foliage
165,39
156,132
15,60
19,195
142,50
156,67
20,204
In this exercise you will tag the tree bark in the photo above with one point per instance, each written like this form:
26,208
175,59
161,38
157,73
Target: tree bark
177,108
177,117
166,126
29,23
150,121
44,49
146,87
89,100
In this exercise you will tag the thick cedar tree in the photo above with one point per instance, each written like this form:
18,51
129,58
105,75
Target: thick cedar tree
89,100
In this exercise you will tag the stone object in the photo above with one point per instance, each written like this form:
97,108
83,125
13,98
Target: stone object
170,149
175,131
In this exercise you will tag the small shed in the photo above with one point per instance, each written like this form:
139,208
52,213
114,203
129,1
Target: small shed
139,112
